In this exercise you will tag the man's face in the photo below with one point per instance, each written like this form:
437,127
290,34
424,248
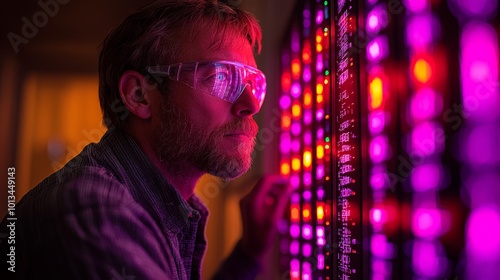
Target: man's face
196,130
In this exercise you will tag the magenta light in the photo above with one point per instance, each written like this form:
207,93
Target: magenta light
294,247
295,90
428,259
307,231
295,181
306,271
296,146
416,6
482,229
379,147
295,198
373,22
296,128
380,247
376,122
429,223
306,75
306,249
378,178
373,51
319,63
376,216
307,195
478,8
377,49
319,17
320,231
422,30
377,19
307,138
320,133
285,102
285,143
294,230
320,193
307,179
482,187
426,104
320,171
380,269
308,116
427,139
319,115
479,72
426,177
294,269
321,261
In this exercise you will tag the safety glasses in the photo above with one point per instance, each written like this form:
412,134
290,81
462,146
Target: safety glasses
223,79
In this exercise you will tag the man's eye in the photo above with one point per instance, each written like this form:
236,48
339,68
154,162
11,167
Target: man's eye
221,76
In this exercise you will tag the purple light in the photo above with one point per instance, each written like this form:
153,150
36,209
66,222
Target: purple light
307,19
295,41
428,259
307,117
306,75
320,171
373,22
483,226
296,128
294,247
295,198
319,17
426,177
296,90
321,261
377,19
479,71
376,122
320,231
426,104
320,194
422,30
307,231
294,230
478,8
294,268
320,133
306,250
427,139
319,115
429,223
380,247
378,178
376,216
285,102
379,149
482,187
482,145
306,271
416,6
285,143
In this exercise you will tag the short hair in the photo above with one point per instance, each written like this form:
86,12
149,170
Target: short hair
154,35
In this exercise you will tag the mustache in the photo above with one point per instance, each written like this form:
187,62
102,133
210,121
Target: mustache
249,126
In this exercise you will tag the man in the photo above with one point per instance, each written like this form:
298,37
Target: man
178,89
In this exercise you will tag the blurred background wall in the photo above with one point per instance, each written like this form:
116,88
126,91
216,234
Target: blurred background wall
49,107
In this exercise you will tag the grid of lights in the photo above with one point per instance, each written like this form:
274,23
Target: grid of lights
382,251
305,142
425,141
479,76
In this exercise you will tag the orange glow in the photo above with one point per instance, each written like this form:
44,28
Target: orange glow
307,98
325,81
422,71
296,68
306,53
296,110
306,213
295,164
294,215
319,99
319,47
318,39
285,169
307,159
320,152
286,121
376,93
320,212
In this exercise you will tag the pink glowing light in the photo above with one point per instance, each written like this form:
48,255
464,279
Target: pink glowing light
427,139
307,138
321,261
379,149
294,269
285,143
426,104
285,102
319,17
483,240
429,259
306,249
320,171
377,49
295,181
295,146
296,90
307,195
294,230
380,247
376,122
479,71
306,271
319,63
306,75
295,198
477,8
376,216
378,178
296,128
308,116
430,223
307,231
320,114
426,177
307,179
377,19
320,193
422,30
294,247
416,6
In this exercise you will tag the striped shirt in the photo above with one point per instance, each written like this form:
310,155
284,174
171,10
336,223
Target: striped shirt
110,214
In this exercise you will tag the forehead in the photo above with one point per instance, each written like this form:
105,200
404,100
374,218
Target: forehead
204,46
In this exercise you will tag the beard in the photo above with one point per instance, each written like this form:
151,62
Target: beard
181,144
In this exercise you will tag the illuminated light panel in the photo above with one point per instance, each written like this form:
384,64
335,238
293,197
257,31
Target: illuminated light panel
307,231
320,213
285,102
306,212
294,215
422,71
376,122
320,152
296,110
307,98
286,121
427,177
429,223
428,259
376,93
285,169
296,164
426,104
296,68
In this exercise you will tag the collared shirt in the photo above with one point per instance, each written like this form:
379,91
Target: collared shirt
110,214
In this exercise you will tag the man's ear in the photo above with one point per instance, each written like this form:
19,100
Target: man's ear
135,94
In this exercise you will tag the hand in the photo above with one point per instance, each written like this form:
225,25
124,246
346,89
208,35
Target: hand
261,210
